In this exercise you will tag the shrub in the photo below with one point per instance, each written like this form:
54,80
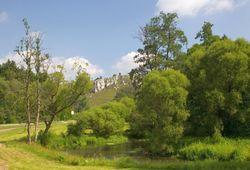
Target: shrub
75,129
108,119
90,140
102,121
44,139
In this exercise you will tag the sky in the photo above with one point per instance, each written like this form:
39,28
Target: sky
103,33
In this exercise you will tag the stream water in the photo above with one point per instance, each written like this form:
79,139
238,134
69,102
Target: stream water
131,149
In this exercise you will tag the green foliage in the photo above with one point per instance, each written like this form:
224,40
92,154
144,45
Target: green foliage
10,71
62,141
129,108
105,120
219,74
162,42
206,34
44,139
161,105
225,150
11,101
59,95
75,129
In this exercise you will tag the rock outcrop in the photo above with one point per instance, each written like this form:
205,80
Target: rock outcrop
114,81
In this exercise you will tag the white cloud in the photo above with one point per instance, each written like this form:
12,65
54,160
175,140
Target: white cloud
3,16
13,57
68,64
193,7
126,63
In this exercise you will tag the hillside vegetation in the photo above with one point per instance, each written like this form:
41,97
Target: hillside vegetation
101,97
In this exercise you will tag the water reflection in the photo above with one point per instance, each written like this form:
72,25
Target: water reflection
111,151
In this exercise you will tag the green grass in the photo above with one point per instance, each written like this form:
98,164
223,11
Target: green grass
223,150
19,155
99,98
17,131
22,159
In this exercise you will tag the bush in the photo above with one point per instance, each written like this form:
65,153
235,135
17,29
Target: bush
75,129
102,121
90,140
44,139
74,142
106,120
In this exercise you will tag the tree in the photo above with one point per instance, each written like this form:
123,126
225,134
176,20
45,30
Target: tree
9,71
31,53
11,93
161,105
206,35
40,61
219,74
103,122
11,101
162,42
26,51
59,95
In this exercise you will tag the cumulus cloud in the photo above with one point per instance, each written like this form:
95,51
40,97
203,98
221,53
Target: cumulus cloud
193,7
126,63
15,57
68,63
3,16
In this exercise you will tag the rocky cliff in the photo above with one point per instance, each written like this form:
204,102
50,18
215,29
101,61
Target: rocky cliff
115,81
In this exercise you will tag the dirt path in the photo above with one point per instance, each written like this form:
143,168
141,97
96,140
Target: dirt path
3,164
7,129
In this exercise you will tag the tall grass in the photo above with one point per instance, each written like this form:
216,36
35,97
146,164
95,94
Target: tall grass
223,150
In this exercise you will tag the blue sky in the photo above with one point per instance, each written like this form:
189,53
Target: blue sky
103,32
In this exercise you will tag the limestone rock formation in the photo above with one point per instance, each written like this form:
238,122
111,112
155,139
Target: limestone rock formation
102,83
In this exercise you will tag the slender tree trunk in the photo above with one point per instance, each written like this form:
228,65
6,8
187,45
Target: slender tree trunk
28,122
28,106
38,109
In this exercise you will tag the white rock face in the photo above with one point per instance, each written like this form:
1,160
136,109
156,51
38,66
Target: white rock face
102,83
99,85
